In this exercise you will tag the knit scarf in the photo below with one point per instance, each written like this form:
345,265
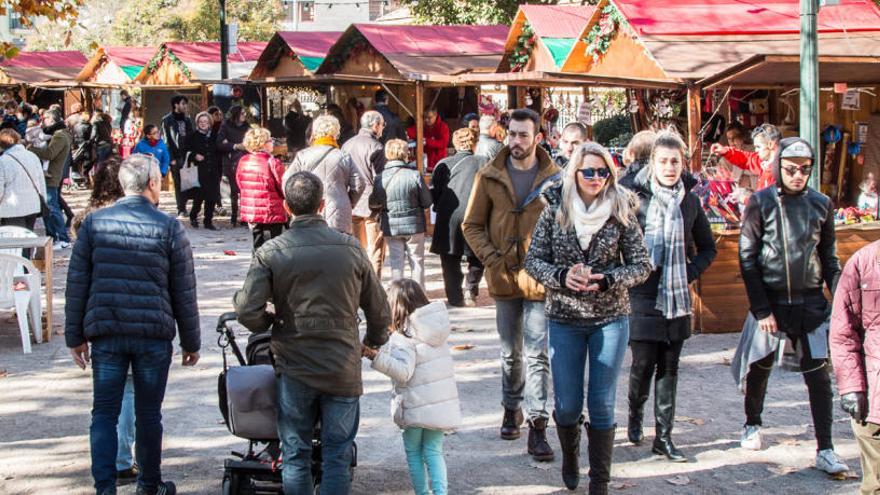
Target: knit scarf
588,221
326,141
664,235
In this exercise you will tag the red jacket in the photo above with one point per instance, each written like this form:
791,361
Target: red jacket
436,142
750,162
855,328
262,194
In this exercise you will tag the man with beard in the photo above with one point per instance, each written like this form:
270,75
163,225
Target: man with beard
503,209
787,257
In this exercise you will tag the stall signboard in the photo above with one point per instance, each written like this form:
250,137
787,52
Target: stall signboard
851,100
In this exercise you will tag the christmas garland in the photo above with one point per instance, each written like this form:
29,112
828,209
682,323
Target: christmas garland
598,40
522,52
163,52
354,46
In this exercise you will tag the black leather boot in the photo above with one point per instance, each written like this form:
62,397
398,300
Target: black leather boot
664,410
539,449
600,448
513,418
639,387
570,444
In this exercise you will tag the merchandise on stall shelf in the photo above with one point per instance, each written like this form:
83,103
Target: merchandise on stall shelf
721,198
868,197
851,215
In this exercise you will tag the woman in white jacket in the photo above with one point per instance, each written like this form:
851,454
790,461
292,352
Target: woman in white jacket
425,399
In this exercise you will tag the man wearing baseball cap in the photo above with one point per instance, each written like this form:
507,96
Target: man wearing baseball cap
786,255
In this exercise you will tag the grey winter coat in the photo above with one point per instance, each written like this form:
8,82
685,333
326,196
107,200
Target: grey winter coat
368,155
402,196
343,185
488,147
451,185
616,251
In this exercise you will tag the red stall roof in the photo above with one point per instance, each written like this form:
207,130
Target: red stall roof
130,56
36,67
557,21
743,17
310,44
435,40
209,51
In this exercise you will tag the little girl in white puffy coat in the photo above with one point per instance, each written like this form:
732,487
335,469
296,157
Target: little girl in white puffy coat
424,401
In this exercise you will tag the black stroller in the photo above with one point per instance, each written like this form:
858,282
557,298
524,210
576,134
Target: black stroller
247,402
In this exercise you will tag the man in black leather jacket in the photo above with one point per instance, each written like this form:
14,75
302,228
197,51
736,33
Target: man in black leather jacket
787,254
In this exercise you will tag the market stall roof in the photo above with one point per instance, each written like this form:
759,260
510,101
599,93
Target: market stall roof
545,33
38,67
293,53
784,71
411,53
116,64
647,39
192,62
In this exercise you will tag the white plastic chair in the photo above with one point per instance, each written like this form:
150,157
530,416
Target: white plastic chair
14,231
26,302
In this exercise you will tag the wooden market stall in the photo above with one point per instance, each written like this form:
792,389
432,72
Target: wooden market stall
417,65
111,69
542,36
192,69
721,56
44,78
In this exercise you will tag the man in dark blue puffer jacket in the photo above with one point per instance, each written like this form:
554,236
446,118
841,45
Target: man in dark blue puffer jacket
130,285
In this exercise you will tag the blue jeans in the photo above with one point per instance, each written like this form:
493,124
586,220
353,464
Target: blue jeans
125,428
522,327
424,448
149,360
298,410
55,227
570,345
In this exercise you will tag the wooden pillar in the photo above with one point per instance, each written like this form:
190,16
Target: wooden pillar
264,105
420,126
694,124
204,104
88,99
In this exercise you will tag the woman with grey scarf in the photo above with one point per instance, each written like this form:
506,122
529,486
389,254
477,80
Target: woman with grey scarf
681,247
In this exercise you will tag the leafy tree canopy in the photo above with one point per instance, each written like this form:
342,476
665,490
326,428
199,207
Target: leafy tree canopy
470,11
54,10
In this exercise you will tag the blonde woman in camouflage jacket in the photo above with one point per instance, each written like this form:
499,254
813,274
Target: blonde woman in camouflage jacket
587,250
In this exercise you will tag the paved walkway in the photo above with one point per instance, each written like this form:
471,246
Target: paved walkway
45,403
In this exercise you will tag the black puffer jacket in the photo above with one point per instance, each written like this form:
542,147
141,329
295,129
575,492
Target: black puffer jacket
131,273
616,251
787,246
229,135
646,323
451,185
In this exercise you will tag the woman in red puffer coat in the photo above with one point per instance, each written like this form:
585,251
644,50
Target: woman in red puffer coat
262,192
855,353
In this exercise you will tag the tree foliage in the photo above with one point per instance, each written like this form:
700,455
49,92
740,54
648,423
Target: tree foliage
52,10
257,20
142,23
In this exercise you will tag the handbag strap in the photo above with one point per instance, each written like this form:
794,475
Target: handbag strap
34,184
314,165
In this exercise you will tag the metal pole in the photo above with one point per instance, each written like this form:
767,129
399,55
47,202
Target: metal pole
224,43
809,103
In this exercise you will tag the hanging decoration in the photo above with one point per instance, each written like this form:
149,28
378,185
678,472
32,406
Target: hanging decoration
353,47
598,40
665,107
522,51
164,52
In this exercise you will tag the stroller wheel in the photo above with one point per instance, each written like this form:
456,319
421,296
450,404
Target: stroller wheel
236,484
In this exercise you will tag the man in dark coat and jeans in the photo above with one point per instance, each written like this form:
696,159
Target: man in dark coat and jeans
786,255
177,127
317,278
130,285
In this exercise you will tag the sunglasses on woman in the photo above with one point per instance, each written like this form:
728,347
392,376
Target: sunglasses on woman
590,173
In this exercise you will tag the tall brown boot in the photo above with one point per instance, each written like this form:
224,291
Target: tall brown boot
513,418
539,449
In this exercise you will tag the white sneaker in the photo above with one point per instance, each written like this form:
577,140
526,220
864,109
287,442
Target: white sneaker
57,246
827,460
751,438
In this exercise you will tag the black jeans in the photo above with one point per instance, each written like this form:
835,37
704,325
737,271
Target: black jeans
229,173
263,232
453,277
198,198
818,383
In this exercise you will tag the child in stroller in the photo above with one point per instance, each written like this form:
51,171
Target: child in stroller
247,402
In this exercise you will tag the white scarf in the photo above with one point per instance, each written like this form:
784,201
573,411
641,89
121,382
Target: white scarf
588,221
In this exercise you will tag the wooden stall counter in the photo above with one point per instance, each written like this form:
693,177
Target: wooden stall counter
721,304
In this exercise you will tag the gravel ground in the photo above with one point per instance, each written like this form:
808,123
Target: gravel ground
45,403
